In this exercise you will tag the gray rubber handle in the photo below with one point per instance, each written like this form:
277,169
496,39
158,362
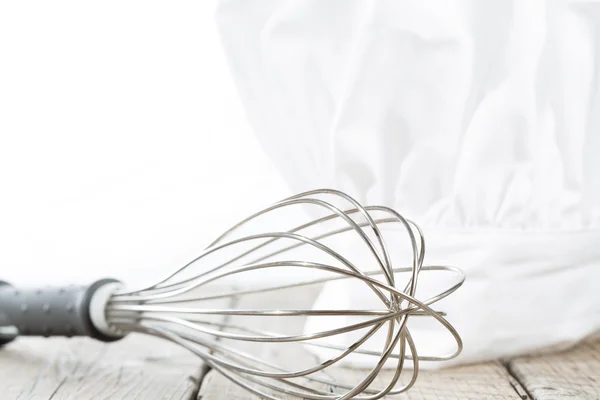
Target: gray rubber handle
8,332
50,311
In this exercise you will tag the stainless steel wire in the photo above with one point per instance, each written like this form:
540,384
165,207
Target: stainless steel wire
175,308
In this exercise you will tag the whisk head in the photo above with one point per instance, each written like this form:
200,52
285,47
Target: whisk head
311,239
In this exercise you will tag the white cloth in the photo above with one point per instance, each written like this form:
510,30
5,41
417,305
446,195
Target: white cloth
480,120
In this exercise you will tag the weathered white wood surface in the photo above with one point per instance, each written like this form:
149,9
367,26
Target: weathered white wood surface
479,382
137,367
571,374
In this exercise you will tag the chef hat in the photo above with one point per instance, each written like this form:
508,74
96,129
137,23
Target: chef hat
478,120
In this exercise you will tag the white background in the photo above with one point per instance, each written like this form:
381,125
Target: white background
123,146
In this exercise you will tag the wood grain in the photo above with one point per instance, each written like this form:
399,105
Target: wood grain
137,367
571,374
479,382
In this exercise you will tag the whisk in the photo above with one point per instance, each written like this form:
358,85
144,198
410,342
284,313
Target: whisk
248,261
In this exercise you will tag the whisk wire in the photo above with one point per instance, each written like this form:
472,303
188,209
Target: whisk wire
160,309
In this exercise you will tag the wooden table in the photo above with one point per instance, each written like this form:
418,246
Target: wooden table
140,367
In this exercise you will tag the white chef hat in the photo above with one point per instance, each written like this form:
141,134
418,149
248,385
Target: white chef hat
478,120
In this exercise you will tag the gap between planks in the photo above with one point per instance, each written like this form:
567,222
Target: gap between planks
567,375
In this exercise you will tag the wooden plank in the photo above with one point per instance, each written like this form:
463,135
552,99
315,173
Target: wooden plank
571,374
485,381
479,382
136,367
475,382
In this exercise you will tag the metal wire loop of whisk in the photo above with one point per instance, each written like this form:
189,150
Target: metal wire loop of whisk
172,309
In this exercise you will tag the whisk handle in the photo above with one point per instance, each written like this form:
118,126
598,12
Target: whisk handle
56,311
